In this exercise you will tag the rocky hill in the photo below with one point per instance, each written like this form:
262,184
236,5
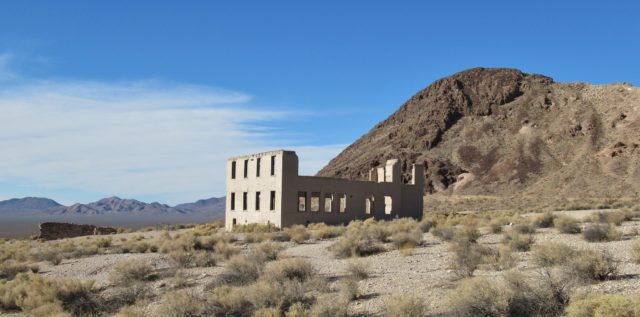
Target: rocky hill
111,206
502,132
27,204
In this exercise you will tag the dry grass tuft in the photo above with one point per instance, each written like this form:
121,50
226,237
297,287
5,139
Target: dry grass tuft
566,224
358,269
299,234
596,305
128,272
599,232
551,254
592,265
406,306
518,241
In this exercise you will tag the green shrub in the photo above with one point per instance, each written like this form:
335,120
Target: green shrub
551,253
406,306
566,224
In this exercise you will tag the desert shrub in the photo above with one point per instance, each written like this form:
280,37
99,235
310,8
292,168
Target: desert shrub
566,224
289,269
427,223
598,232
330,306
616,217
103,242
600,305
297,310
321,231
128,272
267,312
544,220
406,306
299,234
495,226
501,258
181,303
518,241
10,268
512,295
254,237
468,233
204,259
39,296
282,236
357,269
240,270
403,239
551,253
357,241
268,251
524,228
592,265
225,250
228,301
443,232
467,256
348,288
134,247
635,252
255,227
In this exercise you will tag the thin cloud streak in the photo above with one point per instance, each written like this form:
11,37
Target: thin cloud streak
143,138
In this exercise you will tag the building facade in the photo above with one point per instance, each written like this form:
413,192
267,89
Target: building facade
266,188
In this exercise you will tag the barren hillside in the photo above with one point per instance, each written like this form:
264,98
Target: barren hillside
502,132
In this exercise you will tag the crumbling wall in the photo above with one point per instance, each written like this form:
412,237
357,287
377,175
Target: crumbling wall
58,230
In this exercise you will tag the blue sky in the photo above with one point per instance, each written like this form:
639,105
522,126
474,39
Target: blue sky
145,99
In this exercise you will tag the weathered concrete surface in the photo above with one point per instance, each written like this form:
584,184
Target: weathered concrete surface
59,230
266,188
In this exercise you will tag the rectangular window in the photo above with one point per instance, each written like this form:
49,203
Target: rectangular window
272,201
258,167
233,170
328,202
343,202
257,201
302,201
246,168
273,165
315,201
233,201
244,201
388,205
369,204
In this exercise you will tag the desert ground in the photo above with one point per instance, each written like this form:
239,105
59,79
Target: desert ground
490,264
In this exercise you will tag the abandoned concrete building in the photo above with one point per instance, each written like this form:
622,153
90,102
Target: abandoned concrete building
266,188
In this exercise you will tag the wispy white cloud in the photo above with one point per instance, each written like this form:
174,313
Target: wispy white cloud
5,72
134,139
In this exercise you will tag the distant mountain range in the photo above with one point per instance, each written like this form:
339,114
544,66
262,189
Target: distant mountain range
111,206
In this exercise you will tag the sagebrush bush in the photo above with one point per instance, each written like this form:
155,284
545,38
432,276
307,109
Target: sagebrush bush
601,305
358,269
356,241
635,252
552,253
502,258
443,232
599,232
10,268
320,231
349,289
299,234
495,226
39,296
181,303
298,309
267,251
592,265
255,227
411,239
544,220
290,269
128,272
467,256
427,223
466,233
406,306
566,224
225,250
518,241
330,306
240,270
524,228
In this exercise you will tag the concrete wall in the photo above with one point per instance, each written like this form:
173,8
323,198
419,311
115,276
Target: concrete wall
388,197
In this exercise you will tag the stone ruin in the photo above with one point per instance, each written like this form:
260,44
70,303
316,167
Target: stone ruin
59,230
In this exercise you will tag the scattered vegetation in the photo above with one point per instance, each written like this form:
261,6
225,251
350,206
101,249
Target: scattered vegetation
126,273
358,270
592,265
406,306
599,232
595,305
566,224
551,254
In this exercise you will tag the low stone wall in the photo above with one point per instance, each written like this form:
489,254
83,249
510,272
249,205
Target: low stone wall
58,230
